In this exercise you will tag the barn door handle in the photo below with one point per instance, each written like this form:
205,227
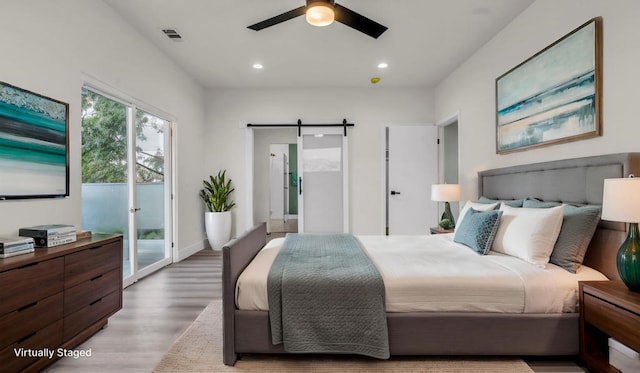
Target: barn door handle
300,185
393,192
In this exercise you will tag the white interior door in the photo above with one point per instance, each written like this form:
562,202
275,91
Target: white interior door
412,167
322,185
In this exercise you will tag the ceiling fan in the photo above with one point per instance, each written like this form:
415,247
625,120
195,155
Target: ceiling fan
323,13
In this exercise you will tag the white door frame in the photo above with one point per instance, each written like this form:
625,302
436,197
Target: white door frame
133,104
448,120
453,118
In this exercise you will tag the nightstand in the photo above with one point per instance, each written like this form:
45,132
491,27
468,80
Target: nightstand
607,309
438,230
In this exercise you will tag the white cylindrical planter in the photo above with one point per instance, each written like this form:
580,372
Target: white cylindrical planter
218,226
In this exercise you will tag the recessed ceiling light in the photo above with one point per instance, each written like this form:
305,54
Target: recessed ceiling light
383,65
257,66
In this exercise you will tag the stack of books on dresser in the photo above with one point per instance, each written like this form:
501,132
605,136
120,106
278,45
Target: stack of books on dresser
11,246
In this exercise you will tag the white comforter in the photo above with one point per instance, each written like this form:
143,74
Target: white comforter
433,273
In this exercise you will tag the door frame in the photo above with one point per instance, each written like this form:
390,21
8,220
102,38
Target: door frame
448,120
132,104
441,124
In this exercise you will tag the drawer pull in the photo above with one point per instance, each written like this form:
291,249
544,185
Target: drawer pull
27,337
27,306
96,248
95,278
95,301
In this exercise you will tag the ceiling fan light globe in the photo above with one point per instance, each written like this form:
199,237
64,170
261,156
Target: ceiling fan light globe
320,14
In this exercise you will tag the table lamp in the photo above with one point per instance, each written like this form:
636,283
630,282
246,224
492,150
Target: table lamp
446,193
621,202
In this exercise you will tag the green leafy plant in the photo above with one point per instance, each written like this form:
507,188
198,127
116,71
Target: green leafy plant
216,193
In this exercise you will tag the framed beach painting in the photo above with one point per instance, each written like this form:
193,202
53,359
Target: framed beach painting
34,143
554,96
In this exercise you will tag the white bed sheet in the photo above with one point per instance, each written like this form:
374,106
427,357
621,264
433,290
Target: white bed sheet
433,273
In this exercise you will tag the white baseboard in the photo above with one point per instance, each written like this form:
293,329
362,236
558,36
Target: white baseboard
190,250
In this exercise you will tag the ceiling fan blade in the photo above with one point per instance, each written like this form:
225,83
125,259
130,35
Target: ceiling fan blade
278,19
359,22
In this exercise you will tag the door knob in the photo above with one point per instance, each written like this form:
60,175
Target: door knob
393,192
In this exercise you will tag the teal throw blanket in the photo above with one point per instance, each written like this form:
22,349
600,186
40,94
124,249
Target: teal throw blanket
326,296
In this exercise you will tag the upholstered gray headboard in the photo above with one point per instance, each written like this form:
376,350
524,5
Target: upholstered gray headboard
578,180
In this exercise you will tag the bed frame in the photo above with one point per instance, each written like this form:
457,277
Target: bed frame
577,180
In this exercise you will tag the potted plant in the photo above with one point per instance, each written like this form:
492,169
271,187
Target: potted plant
216,196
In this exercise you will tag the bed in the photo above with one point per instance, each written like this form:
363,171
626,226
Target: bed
434,332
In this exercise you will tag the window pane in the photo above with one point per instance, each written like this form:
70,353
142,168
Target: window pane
104,168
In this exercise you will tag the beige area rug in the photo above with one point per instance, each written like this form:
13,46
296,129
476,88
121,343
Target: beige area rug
199,349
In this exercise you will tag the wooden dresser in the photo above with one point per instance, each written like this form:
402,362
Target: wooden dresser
54,299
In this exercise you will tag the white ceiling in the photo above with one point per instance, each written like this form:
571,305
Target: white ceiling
426,40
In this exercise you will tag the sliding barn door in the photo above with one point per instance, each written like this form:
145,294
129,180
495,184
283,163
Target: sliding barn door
322,185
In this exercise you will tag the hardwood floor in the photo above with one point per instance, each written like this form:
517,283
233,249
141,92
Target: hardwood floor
281,226
160,307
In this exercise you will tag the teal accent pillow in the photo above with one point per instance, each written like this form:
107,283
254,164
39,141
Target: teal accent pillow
508,202
478,230
579,223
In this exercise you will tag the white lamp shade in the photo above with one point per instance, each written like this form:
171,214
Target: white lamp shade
621,200
320,14
445,192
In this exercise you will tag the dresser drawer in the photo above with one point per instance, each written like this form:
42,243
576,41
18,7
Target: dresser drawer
78,321
25,285
87,264
28,319
44,340
91,290
612,320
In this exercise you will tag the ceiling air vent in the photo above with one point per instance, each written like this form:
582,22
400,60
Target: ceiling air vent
172,34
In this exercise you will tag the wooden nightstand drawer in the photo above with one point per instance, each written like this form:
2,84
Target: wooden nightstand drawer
86,264
612,320
91,290
85,317
24,321
25,285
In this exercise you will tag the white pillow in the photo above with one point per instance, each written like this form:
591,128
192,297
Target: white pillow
528,233
476,206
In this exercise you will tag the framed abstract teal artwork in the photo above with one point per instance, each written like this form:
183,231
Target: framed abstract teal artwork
34,143
554,96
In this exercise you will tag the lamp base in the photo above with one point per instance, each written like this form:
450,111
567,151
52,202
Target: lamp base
446,221
628,259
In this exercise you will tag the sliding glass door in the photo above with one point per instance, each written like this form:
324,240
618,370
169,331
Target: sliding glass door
126,180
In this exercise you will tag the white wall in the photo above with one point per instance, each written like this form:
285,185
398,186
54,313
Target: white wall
229,110
49,46
470,90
